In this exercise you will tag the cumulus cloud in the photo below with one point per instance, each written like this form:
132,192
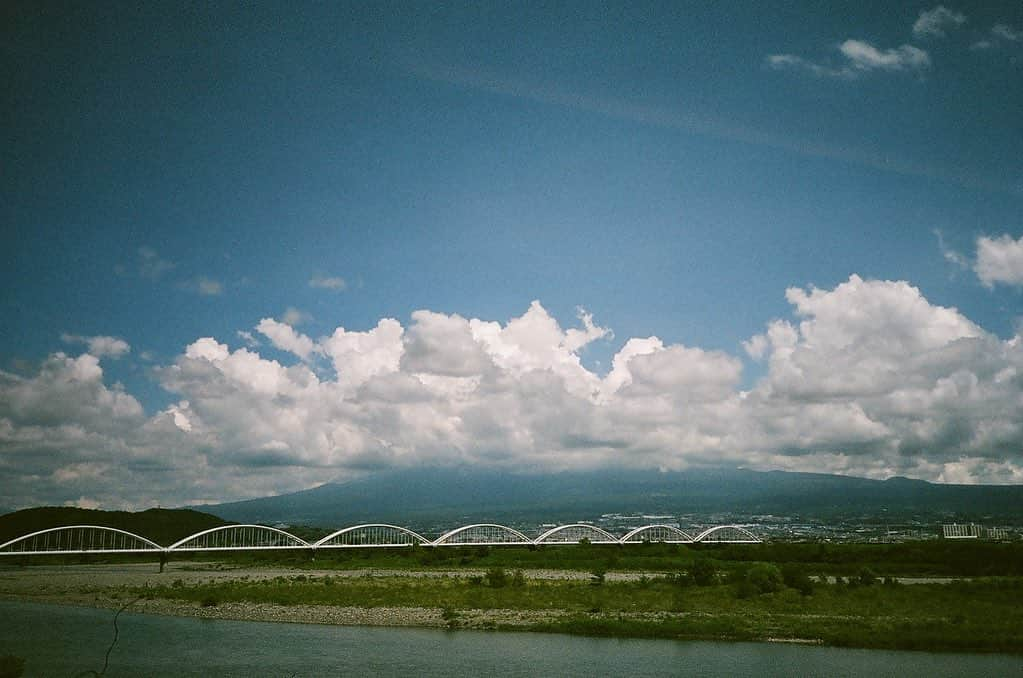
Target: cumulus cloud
859,58
756,346
866,378
327,282
284,337
359,356
101,346
933,23
1000,261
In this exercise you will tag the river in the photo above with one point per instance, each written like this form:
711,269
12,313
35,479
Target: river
59,640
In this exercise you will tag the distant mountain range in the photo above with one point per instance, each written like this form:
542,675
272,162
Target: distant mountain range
427,496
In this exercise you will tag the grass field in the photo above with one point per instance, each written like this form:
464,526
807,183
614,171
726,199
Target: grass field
746,601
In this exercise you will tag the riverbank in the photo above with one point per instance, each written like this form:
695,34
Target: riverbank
57,640
114,586
983,615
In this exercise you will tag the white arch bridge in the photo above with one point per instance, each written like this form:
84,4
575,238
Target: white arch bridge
81,539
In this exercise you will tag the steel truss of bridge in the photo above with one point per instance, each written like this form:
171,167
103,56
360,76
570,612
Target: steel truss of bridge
80,539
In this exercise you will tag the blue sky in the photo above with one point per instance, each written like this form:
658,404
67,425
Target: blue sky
172,174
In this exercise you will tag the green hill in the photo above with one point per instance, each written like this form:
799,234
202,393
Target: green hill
164,526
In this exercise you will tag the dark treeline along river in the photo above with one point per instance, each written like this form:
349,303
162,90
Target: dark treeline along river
59,640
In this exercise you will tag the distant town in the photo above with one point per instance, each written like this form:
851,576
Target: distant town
771,527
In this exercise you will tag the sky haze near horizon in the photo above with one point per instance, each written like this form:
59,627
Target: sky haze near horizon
248,249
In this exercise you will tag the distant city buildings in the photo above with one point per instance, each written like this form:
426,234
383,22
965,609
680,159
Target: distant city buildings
973,531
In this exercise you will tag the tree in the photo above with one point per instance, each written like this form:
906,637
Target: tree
796,578
867,577
703,572
765,578
497,577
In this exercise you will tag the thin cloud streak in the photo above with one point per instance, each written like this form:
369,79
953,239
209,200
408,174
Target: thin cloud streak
484,81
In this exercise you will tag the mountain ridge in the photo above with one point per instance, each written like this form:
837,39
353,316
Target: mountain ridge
432,494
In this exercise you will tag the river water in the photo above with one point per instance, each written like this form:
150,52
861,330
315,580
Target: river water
61,640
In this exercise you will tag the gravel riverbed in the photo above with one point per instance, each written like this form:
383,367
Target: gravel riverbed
107,586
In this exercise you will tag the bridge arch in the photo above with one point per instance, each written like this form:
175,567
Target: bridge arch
657,533
238,537
482,534
573,534
727,534
371,534
79,539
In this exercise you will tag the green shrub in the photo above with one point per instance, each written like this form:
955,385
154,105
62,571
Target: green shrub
703,572
796,578
866,577
765,578
745,589
497,577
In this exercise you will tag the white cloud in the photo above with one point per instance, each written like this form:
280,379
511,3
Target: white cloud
877,381
756,346
1000,34
440,344
293,316
855,339
999,260
951,255
208,287
859,58
284,337
248,338
324,282
864,56
684,374
100,346
1006,32
934,22
781,62
359,356
867,378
